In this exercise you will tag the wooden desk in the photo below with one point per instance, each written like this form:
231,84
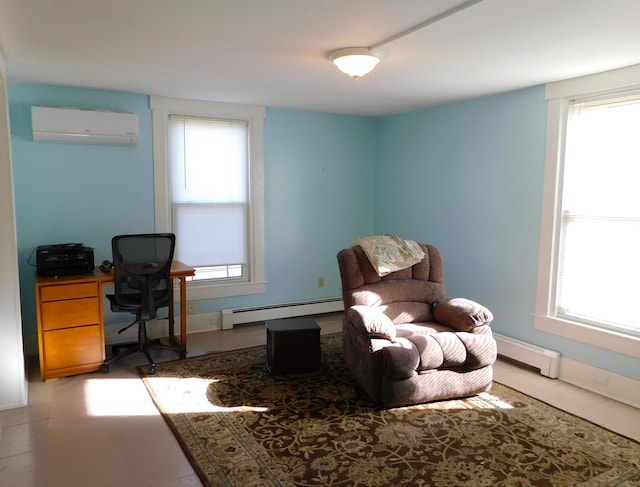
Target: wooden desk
71,320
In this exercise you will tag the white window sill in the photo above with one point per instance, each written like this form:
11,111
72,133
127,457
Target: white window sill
592,335
208,290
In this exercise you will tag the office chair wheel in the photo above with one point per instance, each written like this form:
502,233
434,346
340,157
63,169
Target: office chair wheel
105,369
152,369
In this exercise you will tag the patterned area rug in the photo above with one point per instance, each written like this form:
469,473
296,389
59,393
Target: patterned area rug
240,426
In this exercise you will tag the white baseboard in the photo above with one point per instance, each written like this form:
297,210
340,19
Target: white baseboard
601,381
554,365
236,316
198,323
545,360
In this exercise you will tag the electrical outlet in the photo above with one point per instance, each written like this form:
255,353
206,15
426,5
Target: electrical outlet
191,307
320,281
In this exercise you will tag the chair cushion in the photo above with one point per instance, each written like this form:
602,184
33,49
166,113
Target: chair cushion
431,346
462,314
453,350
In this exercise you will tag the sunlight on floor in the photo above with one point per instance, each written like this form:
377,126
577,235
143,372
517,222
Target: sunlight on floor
117,397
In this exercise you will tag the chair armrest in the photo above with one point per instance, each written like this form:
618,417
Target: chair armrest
372,322
461,314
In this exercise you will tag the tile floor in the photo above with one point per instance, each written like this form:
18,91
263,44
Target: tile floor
97,430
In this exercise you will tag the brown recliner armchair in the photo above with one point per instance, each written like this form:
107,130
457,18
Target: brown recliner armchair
404,341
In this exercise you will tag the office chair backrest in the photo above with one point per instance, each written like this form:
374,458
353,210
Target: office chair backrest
142,266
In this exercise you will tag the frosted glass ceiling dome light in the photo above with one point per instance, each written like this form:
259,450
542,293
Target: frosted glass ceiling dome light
356,61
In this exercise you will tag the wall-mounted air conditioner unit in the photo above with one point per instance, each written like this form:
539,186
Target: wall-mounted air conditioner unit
81,126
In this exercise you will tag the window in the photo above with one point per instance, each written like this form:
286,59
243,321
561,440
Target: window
600,224
589,260
208,187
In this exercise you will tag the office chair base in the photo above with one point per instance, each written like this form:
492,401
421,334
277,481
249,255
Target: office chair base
142,345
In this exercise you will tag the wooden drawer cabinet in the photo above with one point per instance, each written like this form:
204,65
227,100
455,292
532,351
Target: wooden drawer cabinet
71,320
70,326
72,349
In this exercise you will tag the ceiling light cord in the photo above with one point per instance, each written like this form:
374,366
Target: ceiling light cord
358,61
424,24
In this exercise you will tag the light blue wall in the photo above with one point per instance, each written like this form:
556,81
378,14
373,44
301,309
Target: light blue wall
72,192
468,177
318,180
319,176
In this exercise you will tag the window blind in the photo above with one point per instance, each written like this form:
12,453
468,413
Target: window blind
208,179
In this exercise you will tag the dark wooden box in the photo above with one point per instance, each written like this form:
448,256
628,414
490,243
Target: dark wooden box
293,346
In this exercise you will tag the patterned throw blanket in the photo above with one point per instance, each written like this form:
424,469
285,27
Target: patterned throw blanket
388,253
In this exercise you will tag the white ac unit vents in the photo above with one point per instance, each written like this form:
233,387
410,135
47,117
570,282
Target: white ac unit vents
80,126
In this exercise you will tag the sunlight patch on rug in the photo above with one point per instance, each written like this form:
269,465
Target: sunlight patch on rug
189,395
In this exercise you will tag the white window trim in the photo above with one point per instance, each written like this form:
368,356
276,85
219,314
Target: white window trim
558,95
162,107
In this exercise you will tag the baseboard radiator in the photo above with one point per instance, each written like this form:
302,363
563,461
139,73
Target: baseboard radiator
547,361
232,317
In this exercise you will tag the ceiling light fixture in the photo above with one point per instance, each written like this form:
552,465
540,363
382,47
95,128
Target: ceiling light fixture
358,61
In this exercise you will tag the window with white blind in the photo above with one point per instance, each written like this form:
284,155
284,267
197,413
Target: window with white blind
209,176
588,285
599,253
208,182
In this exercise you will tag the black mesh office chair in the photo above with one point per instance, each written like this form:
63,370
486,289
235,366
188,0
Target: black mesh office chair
142,285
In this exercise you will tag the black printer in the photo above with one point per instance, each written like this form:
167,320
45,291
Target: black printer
64,259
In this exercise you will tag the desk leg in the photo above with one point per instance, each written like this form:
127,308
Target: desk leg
183,312
172,334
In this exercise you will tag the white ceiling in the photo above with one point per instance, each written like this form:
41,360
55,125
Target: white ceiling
273,52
